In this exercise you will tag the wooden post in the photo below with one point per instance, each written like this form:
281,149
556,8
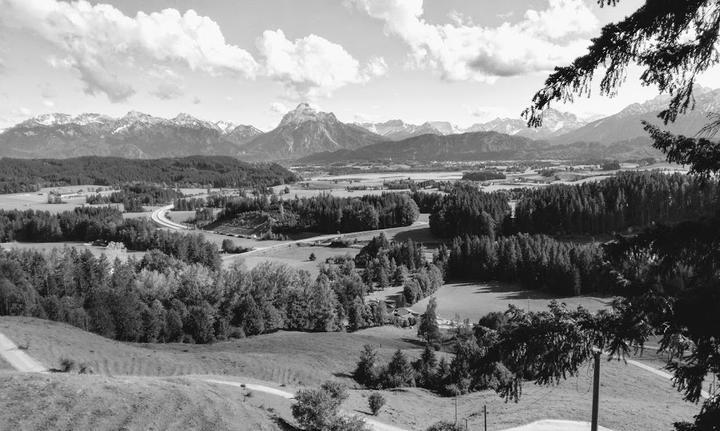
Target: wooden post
485,415
596,392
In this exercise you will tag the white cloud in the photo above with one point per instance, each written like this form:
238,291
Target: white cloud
114,53
168,91
278,108
49,103
312,66
464,51
97,40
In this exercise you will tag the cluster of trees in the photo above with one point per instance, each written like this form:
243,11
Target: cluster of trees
88,224
328,214
189,204
162,299
134,196
27,175
630,199
466,210
391,263
483,176
535,261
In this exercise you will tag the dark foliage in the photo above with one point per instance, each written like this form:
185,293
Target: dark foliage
23,175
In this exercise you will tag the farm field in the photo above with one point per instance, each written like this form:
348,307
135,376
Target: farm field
474,300
38,200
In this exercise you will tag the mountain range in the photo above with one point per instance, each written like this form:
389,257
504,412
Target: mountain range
312,136
135,135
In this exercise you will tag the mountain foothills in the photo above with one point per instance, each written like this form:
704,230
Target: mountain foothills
312,136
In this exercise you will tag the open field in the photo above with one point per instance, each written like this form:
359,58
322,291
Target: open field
474,300
296,358
296,256
86,402
630,400
73,196
96,250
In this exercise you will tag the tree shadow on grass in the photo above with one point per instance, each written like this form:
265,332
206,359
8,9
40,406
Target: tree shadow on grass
283,424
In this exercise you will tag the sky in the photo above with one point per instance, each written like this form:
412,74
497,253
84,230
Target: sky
250,61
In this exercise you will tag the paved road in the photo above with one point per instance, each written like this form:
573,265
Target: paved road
17,358
158,216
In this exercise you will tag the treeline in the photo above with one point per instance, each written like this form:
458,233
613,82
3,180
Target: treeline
535,261
134,196
28,175
163,299
466,210
328,214
628,200
103,223
483,176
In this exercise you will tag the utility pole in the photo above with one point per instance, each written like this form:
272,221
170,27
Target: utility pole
596,391
485,415
455,410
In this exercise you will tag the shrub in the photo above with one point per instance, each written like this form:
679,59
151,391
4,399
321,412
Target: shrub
376,401
312,257
444,426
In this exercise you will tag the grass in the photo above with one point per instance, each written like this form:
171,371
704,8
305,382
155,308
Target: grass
297,256
82,402
474,300
47,246
630,400
295,358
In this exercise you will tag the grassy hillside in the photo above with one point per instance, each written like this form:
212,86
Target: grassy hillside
295,358
85,402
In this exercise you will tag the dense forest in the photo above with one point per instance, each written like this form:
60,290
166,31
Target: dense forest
161,298
535,261
28,175
628,200
134,196
103,223
327,214
466,210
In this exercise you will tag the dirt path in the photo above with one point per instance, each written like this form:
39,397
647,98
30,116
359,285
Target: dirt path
374,424
17,358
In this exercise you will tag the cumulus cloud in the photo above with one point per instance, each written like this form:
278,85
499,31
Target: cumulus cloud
312,66
462,50
278,108
98,39
112,52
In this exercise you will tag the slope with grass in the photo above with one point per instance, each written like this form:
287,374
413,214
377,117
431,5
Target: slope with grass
284,357
85,402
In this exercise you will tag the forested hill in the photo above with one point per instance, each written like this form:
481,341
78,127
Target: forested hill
486,146
22,175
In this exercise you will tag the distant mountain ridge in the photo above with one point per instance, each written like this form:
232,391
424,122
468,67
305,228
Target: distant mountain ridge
626,124
305,131
307,134
134,135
